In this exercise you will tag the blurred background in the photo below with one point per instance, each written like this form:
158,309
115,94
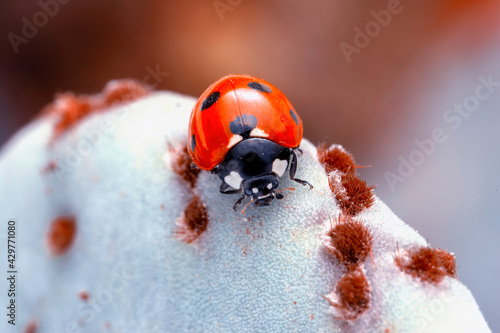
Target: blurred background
411,88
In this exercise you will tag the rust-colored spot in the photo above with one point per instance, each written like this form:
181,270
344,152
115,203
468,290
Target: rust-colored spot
335,158
84,296
194,221
51,166
348,240
352,193
428,264
31,327
352,295
181,165
61,233
71,108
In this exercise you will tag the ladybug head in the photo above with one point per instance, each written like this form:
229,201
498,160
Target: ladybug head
253,167
261,189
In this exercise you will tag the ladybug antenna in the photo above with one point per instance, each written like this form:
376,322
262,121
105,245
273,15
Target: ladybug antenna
286,188
278,195
248,204
362,166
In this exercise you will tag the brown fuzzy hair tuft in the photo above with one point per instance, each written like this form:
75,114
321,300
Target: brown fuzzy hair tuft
194,221
352,193
71,108
427,264
448,261
121,91
181,165
335,158
352,295
348,240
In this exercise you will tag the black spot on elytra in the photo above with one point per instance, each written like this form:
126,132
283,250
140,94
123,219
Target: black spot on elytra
193,142
243,125
259,87
210,100
294,116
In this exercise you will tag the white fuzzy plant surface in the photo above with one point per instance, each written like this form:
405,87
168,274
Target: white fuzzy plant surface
115,233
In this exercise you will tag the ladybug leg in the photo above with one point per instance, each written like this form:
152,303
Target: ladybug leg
237,203
293,169
226,189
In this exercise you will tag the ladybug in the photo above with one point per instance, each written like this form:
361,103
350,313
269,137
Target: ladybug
246,131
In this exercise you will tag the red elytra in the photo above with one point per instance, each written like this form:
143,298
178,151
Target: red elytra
233,96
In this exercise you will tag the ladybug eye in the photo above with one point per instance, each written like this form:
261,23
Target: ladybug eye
259,87
210,100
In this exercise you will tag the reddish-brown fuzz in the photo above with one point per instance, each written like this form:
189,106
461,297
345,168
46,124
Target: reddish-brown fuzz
121,91
354,195
61,233
51,166
194,222
31,327
427,264
349,241
181,165
352,295
448,262
335,158
70,108
84,296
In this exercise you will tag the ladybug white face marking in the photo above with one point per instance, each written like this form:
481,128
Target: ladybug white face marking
234,140
279,166
234,180
258,133
269,186
255,190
